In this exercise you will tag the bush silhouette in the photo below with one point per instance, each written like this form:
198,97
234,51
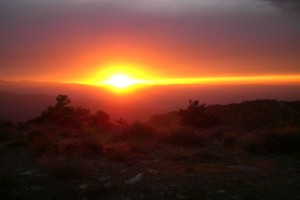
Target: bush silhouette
65,115
100,120
185,136
196,116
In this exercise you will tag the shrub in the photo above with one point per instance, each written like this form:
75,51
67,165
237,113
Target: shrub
231,140
52,144
274,140
118,150
136,132
185,137
66,116
140,132
44,144
90,147
196,116
101,120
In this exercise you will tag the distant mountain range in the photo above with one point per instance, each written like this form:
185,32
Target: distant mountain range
19,107
23,100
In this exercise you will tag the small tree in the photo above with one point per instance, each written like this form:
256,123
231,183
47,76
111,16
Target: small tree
61,113
196,116
64,115
101,120
121,122
62,101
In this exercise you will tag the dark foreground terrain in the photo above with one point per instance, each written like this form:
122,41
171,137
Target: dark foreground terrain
167,172
240,151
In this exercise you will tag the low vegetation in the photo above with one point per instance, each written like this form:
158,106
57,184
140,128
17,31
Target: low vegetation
273,140
65,130
196,116
69,142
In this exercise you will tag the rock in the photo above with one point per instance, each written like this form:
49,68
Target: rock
151,161
135,179
62,159
243,168
288,182
104,179
83,186
179,196
189,170
152,171
161,194
35,188
221,191
236,197
108,184
32,173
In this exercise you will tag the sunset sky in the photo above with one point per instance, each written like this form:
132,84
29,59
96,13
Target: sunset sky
86,41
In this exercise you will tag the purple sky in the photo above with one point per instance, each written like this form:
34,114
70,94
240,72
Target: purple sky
69,40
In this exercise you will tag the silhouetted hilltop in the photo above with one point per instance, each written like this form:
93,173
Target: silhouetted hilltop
245,116
250,115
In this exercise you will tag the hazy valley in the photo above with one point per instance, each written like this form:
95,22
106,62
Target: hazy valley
22,100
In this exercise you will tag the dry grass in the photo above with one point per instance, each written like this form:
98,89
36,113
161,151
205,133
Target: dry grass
119,151
231,140
52,143
284,139
185,136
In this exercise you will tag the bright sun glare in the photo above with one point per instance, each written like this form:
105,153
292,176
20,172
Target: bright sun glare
120,81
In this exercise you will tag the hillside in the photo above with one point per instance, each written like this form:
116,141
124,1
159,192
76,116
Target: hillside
69,153
244,116
251,115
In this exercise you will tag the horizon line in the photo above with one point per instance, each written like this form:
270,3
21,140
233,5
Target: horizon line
260,79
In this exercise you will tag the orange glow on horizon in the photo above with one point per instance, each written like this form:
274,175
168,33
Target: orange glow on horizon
275,79
121,82
216,80
127,77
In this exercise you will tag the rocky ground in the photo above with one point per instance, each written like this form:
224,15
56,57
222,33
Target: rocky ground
167,172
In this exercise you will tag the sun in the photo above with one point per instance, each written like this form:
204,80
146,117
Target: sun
120,81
